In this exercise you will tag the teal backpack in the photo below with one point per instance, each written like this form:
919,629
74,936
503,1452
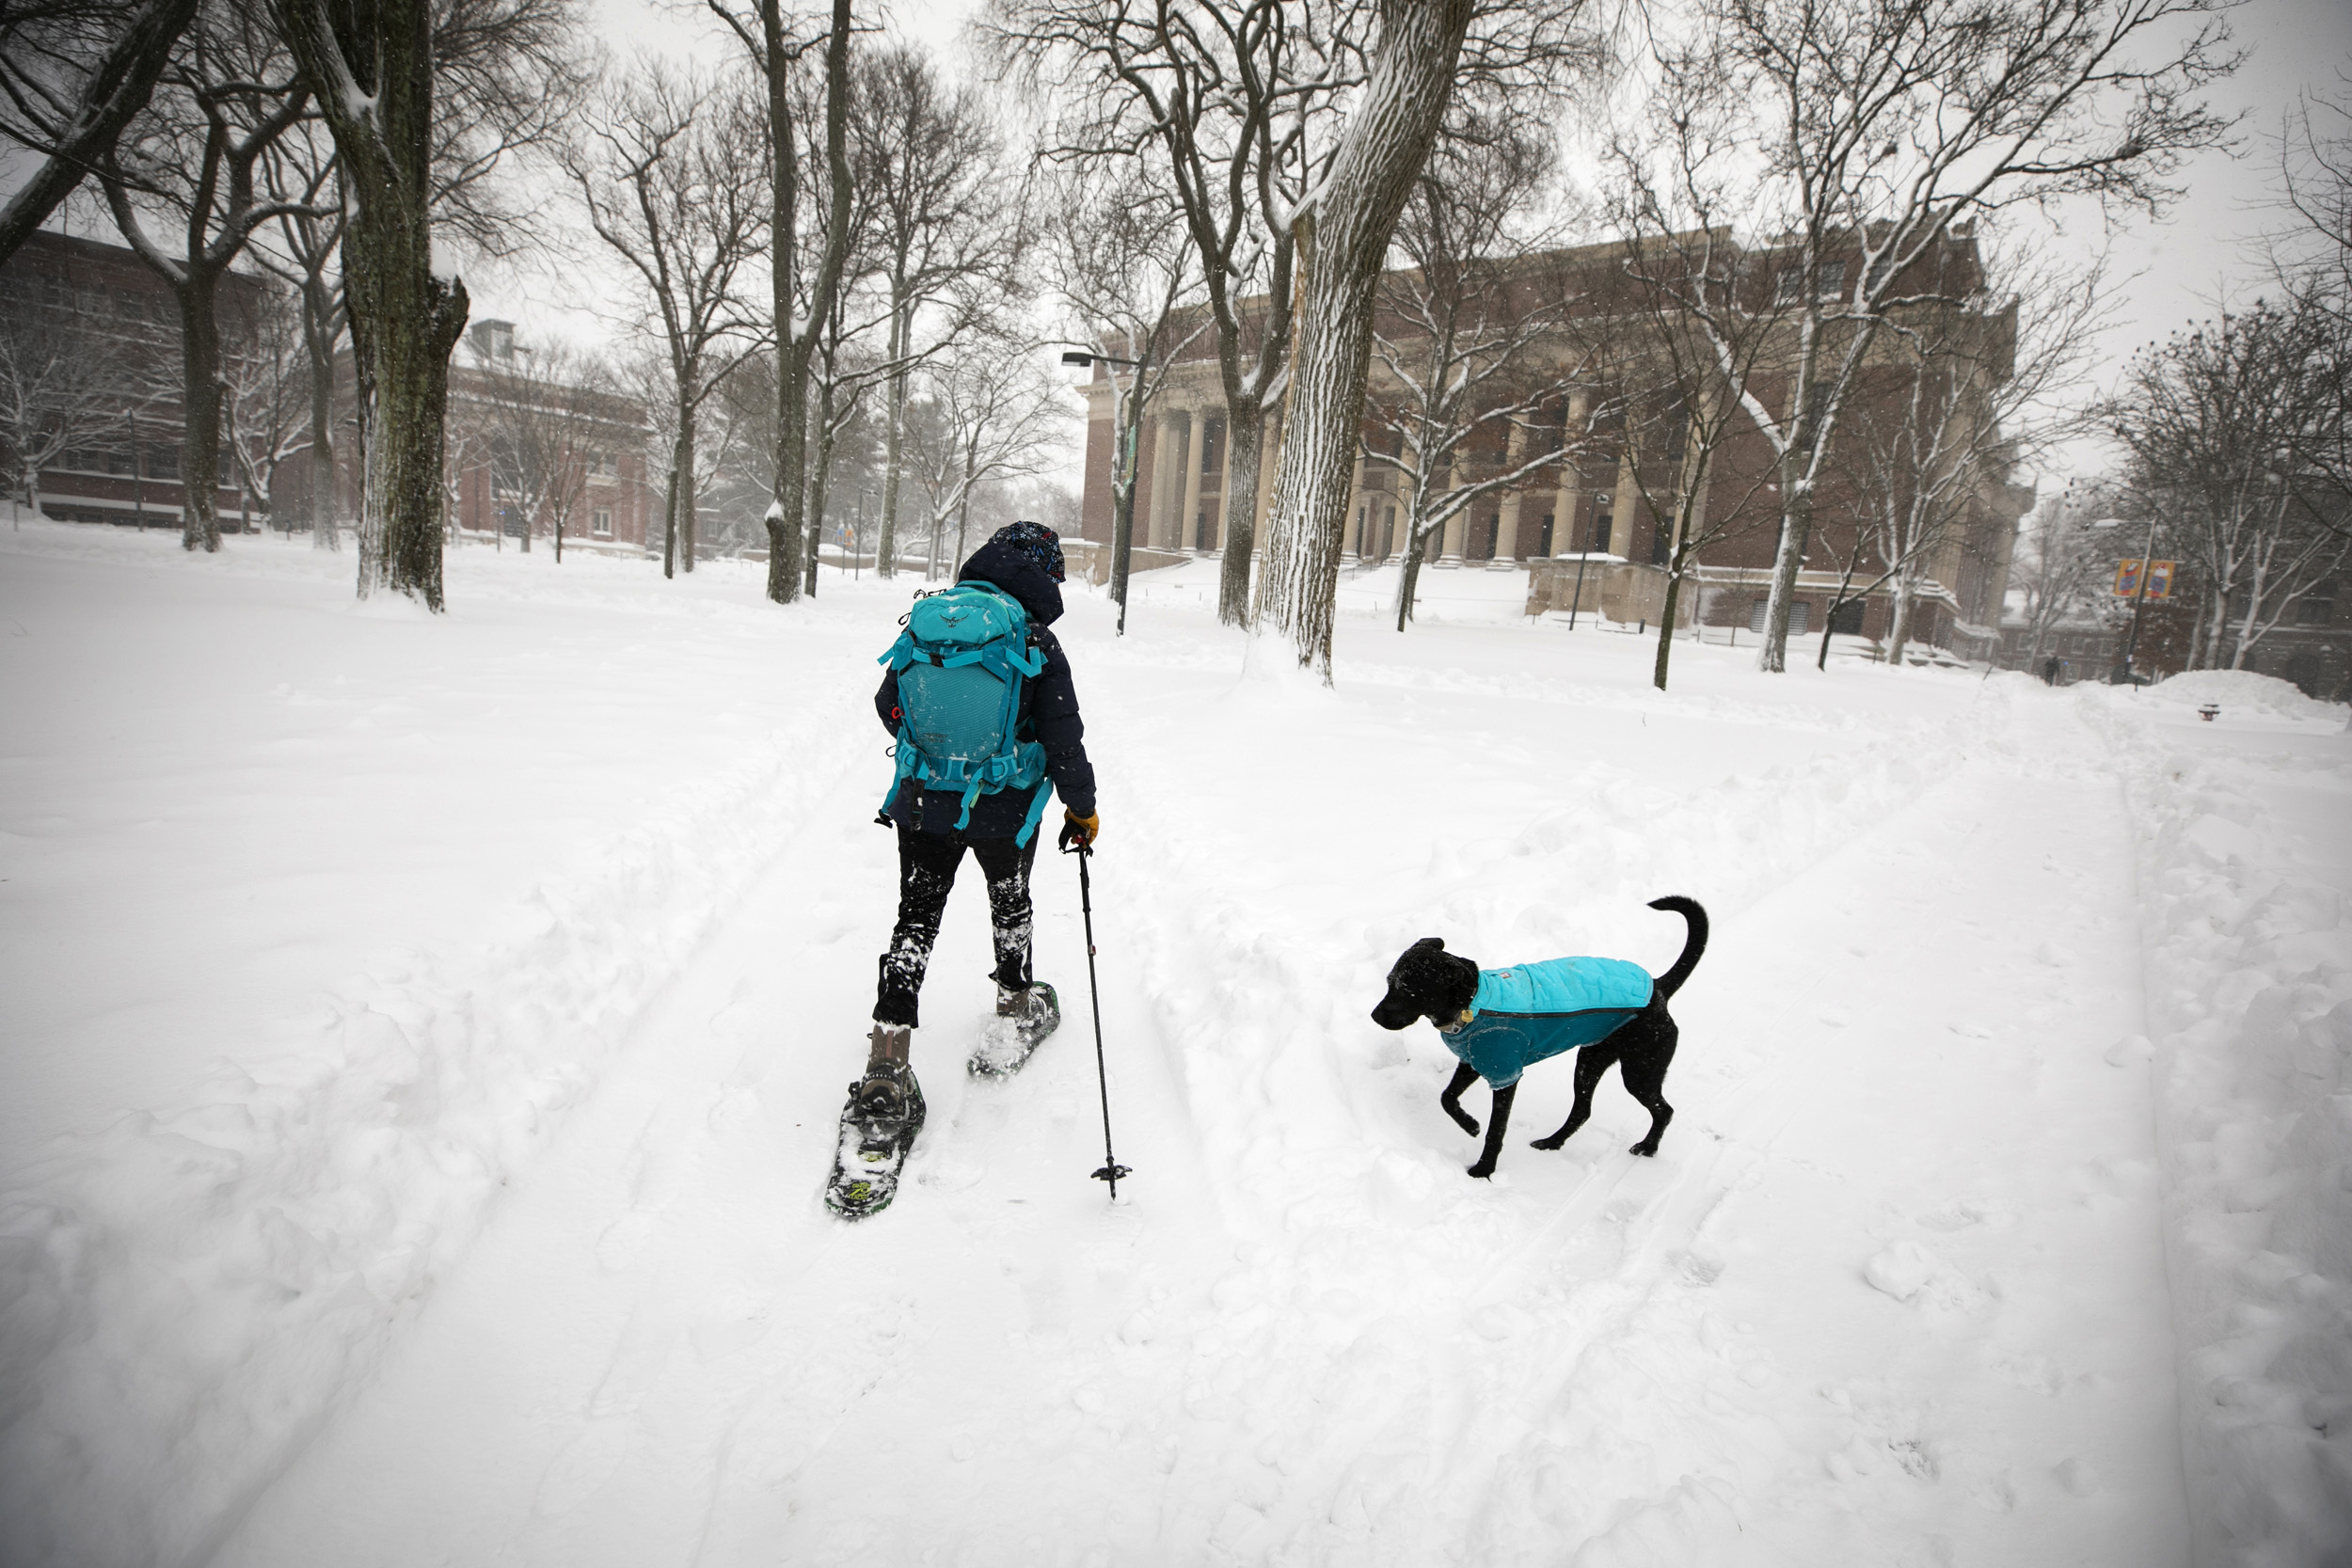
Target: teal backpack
961,662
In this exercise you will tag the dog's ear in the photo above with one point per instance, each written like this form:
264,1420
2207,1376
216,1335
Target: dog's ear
1429,945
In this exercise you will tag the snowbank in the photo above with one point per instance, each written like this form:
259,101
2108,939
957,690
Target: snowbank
183,1293
2249,1003
2243,692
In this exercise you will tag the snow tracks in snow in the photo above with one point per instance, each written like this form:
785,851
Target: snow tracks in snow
183,1297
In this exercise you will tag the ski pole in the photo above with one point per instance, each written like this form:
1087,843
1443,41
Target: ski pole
1112,1170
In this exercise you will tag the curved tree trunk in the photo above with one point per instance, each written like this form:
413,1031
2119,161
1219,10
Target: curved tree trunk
1344,240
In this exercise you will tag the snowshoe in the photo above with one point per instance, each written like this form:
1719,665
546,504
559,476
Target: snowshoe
877,1129
1023,1018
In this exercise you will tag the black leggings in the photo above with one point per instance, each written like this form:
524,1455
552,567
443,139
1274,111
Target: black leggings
927,870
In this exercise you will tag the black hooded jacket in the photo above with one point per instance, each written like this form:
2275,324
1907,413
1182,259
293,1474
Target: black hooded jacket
1049,713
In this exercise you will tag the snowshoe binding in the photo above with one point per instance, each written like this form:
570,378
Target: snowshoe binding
877,1129
1025,1016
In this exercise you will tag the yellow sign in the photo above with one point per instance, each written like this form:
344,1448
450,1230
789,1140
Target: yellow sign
2159,578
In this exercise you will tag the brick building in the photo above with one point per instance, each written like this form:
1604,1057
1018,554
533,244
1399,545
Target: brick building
527,445
121,415
1584,521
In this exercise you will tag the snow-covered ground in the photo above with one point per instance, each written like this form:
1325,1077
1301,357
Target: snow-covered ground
423,1038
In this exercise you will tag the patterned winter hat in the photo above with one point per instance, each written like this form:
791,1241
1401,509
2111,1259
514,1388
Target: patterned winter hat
1036,541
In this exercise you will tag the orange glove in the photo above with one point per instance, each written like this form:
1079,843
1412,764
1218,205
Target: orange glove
1080,830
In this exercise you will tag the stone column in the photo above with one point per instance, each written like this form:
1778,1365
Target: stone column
1190,488
1167,475
1563,519
1450,542
1507,515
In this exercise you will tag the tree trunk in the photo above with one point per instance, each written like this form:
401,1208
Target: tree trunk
1796,529
1245,449
1898,627
893,437
370,72
1666,625
326,535
820,485
415,319
1123,500
788,506
202,389
1344,240
681,505
1409,576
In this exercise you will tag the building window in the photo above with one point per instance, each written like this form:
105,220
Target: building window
1543,537
1212,449
604,522
1790,287
1845,618
2318,607
1799,613
1602,527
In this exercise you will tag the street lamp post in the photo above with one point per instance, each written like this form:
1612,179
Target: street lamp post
1123,485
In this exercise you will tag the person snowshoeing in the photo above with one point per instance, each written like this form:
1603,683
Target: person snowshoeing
936,826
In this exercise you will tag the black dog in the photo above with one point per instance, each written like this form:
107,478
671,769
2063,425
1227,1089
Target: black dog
1499,1021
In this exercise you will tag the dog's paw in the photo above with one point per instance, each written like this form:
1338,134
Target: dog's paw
1464,1120
1482,1170
1551,1143
1647,1148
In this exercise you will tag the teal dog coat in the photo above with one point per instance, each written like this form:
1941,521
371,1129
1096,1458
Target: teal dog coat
1524,1014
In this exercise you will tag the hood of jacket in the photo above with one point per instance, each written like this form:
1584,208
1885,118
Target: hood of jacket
1016,574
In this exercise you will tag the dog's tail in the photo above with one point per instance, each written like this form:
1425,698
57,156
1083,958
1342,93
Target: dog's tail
1689,910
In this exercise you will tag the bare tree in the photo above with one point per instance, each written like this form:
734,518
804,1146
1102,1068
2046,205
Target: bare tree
1870,128
61,389
425,99
671,169
229,94
1125,270
801,300
372,71
1475,395
943,218
1344,236
2214,420
1238,101
987,416
550,416
266,392
2064,556
510,85
306,180
1968,393
72,73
